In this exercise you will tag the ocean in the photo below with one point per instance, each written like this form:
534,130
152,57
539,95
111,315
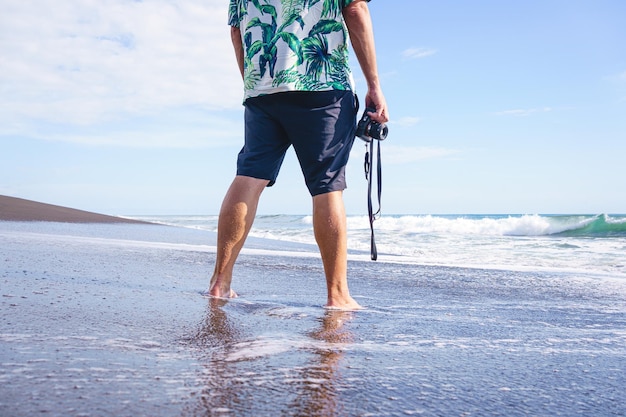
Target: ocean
590,244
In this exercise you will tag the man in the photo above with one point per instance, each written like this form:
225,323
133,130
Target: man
299,92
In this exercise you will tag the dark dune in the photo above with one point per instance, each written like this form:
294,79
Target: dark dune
18,209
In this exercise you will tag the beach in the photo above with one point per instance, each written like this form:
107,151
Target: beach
108,317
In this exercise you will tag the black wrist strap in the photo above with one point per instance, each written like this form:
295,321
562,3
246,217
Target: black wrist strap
369,166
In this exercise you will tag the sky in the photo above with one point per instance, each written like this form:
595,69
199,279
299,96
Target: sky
131,107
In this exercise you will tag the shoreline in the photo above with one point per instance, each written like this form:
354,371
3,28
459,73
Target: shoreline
22,210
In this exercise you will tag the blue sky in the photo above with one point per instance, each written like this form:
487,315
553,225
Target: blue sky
134,107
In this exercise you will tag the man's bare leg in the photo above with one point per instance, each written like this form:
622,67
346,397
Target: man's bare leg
329,224
235,220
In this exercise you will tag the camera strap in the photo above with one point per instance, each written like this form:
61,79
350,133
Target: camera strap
369,167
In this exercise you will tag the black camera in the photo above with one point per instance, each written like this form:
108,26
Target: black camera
368,129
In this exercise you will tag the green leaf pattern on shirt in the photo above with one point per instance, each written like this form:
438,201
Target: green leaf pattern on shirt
292,45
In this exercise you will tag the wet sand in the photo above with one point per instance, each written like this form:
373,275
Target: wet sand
109,319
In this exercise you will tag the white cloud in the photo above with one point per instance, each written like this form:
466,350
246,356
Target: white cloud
406,154
417,53
88,62
407,121
193,138
175,128
523,112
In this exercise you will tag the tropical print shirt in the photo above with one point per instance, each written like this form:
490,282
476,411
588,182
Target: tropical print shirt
292,45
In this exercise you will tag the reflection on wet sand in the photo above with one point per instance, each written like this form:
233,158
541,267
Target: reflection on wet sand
320,382
214,336
216,329
302,379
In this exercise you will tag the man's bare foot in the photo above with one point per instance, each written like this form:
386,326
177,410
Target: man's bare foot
347,305
218,293
218,290
219,287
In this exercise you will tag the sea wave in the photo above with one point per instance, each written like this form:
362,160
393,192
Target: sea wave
587,243
285,226
496,225
598,226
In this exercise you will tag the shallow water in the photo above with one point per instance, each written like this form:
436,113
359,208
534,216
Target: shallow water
110,320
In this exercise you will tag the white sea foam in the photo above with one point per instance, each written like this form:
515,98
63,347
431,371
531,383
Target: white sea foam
258,348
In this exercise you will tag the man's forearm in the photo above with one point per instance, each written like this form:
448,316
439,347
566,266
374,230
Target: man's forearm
359,23
235,36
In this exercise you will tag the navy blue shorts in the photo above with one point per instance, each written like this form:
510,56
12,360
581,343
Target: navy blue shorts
320,125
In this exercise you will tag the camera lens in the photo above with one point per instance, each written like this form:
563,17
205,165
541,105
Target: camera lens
378,131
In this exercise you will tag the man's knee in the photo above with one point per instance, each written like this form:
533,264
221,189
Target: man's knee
250,183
